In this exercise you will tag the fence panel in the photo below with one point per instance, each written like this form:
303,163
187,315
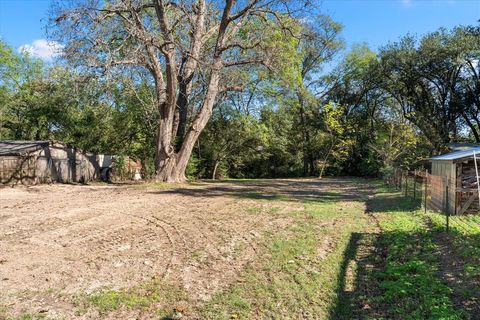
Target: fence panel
439,194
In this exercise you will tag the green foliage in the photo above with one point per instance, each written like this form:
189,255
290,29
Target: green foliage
370,114
432,77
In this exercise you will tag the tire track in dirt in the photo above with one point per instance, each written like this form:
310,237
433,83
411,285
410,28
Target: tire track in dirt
85,239
158,223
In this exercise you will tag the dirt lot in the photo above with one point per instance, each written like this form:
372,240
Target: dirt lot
58,242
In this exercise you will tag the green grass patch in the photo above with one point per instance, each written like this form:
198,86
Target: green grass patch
464,235
296,277
264,196
410,283
163,296
239,181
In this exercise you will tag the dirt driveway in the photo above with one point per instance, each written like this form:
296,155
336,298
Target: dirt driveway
59,241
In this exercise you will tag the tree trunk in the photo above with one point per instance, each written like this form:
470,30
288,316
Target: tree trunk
171,165
215,167
308,166
166,160
326,158
182,110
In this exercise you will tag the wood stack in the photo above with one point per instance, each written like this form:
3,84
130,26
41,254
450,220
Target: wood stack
469,178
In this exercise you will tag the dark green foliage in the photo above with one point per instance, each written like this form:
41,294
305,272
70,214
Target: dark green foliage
371,113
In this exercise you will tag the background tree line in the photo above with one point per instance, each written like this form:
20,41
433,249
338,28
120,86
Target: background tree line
288,100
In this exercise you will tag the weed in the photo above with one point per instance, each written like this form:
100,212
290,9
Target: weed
140,297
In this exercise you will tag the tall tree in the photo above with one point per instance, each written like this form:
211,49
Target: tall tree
318,45
435,81
184,45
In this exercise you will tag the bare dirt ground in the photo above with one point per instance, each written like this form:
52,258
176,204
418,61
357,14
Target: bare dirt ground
59,241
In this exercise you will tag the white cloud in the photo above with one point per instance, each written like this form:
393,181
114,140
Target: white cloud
43,49
407,3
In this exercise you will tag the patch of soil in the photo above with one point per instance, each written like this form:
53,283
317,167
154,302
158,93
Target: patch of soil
60,241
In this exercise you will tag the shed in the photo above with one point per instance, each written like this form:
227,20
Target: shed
456,171
32,162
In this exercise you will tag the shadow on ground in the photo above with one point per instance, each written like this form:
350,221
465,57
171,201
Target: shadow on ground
316,190
363,290
459,258
356,294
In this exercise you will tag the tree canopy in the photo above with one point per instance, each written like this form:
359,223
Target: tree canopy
209,89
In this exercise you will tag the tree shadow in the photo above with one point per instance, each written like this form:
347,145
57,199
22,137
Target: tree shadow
357,294
429,261
311,190
393,202
459,267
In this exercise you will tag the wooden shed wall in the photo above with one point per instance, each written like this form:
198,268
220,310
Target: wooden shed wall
448,171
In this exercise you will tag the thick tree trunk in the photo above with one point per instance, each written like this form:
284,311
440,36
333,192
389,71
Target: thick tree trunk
166,158
188,72
201,118
181,113
171,165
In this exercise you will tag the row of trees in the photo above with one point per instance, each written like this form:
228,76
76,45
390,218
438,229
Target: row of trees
254,89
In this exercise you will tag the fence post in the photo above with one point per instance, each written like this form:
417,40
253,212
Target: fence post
415,185
426,186
447,208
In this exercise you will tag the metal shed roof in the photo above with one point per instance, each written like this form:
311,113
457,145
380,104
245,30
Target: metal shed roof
20,147
457,155
461,146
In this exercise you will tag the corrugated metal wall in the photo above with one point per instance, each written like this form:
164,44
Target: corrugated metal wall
56,163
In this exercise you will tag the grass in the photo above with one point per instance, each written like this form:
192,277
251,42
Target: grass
264,196
464,232
154,295
296,275
463,239
410,283
332,262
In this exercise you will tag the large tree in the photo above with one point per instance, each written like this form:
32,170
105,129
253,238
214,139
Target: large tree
189,47
319,44
435,81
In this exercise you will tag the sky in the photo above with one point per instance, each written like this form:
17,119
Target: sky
375,22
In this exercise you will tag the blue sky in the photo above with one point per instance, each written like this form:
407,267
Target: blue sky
375,22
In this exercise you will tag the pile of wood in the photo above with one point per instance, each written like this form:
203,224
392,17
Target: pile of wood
469,178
